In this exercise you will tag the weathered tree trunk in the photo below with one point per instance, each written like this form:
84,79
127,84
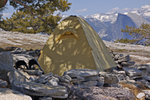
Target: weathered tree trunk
3,3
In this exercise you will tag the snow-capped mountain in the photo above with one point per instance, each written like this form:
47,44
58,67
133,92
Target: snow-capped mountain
144,11
104,17
109,25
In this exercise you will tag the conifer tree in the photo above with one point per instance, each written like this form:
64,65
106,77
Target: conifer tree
138,34
34,16
2,3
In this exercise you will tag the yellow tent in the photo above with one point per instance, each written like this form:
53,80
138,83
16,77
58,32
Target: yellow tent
74,45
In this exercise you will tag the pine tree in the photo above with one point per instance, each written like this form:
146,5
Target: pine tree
35,16
138,34
2,3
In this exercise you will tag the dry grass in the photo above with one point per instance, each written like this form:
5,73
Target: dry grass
135,90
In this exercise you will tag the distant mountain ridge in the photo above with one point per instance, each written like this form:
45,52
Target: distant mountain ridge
109,25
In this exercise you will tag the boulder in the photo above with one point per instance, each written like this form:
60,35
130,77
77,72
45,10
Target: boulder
109,78
140,95
8,94
20,83
6,64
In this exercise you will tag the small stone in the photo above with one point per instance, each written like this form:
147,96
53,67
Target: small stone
130,63
141,67
6,64
46,98
121,77
131,81
132,71
81,72
124,59
139,77
100,82
140,95
148,69
66,79
145,83
44,78
102,73
3,83
34,72
118,65
117,56
78,80
147,93
92,78
89,83
147,78
53,81
25,74
119,72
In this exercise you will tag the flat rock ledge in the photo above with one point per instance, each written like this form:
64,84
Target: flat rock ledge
8,94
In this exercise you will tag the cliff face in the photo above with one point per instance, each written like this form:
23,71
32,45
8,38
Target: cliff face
111,30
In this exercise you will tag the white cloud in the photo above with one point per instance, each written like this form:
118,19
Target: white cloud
81,10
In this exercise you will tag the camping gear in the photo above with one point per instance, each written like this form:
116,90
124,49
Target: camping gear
74,45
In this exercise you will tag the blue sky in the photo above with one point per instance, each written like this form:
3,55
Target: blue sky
88,7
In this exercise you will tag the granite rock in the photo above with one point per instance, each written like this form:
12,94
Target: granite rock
8,94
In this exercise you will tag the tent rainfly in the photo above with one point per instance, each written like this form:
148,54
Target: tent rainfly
74,45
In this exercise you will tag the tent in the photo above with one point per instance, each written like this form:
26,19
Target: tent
74,45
